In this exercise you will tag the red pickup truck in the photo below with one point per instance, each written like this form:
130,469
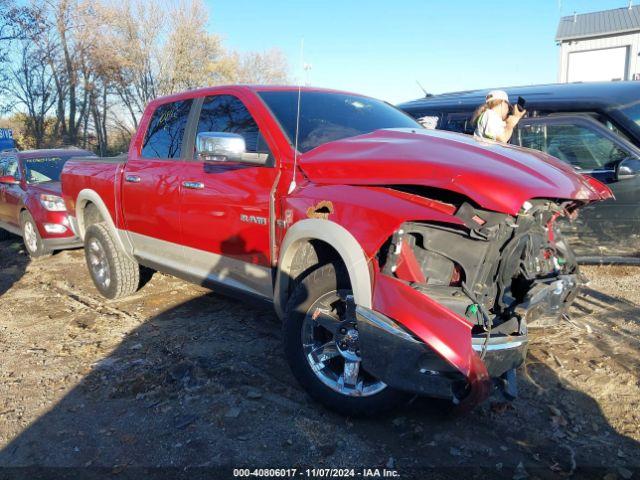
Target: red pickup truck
401,261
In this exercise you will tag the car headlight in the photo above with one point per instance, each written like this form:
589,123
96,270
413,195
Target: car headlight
53,203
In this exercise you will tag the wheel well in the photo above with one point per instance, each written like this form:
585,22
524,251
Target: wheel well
91,215
310,255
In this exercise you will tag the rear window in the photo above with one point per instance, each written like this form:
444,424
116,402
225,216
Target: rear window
45,169
166,130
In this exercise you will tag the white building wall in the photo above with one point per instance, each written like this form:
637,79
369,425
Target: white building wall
630,40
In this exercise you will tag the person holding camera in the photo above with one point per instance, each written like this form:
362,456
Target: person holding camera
496,119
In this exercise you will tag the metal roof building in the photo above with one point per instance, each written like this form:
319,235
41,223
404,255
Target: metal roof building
600,45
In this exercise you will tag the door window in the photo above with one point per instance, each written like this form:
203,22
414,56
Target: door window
13,169
166,130
580,146
226,113
460,122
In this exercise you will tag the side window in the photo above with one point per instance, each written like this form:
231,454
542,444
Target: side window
226,113
460,122
430,122
13,169
3,167
578,145
166,130
429,119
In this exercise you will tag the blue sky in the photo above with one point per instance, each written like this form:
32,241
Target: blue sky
381,47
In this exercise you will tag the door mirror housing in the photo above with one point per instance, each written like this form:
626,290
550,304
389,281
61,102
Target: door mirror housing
627,169
226,147
9,180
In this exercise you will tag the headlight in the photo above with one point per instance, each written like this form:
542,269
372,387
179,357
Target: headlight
53,203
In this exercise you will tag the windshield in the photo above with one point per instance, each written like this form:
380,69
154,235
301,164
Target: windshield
325,117
45,169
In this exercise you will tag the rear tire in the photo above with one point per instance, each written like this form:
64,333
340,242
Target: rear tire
374,396
113,273
31,237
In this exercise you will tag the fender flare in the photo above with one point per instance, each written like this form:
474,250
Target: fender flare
91,196
341,240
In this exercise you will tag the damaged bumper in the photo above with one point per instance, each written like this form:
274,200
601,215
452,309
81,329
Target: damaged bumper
414,343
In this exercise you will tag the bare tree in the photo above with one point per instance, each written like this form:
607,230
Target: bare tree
33,88
102,61
268,67
16,22
191,56
133,37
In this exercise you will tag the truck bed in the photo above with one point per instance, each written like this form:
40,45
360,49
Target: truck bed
100,174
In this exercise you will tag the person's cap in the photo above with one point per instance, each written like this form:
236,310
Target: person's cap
497,95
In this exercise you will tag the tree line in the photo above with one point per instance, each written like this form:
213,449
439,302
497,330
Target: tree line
80,72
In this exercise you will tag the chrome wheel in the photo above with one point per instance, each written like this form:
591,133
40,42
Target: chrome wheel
98,263
30,236
331,346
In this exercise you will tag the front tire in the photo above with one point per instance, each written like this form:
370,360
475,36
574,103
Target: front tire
31,237
322,349
113,273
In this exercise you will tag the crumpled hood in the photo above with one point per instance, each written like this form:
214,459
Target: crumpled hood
496,176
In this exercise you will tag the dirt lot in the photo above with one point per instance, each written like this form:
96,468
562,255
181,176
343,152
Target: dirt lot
178,376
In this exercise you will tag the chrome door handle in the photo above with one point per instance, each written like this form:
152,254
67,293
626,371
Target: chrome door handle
132,178
193,185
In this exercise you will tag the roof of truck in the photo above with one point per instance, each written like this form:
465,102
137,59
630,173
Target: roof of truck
248,88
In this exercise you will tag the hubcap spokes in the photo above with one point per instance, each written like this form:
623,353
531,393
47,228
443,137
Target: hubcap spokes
30,237
331,346
98,263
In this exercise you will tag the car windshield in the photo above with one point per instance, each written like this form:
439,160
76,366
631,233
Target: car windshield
44,169
326,116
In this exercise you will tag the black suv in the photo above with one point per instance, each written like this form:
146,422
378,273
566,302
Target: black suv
595,127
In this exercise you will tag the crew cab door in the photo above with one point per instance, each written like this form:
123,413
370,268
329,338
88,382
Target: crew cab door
12,194
3,169
225,206
609,228
151,187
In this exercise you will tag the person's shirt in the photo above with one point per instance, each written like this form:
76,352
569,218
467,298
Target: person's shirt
490,125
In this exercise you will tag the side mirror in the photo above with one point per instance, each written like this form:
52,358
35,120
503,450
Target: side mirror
226,147
9,180
627,169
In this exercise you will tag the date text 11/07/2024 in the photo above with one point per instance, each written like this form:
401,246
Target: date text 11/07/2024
316,473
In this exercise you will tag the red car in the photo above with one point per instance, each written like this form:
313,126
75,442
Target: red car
30,199
401,261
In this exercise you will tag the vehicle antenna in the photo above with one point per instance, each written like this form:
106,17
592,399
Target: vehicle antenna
292,185
426,94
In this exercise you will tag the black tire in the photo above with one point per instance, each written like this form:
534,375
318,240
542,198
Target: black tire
122,272
33,243
325,279
4,235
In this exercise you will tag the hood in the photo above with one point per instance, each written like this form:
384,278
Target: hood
495,176
47,188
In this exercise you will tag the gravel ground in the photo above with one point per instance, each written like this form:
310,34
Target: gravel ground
181,378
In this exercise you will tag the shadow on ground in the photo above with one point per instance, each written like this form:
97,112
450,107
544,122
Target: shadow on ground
14,264
203,387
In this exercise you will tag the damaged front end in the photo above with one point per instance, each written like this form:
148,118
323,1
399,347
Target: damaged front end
453,302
